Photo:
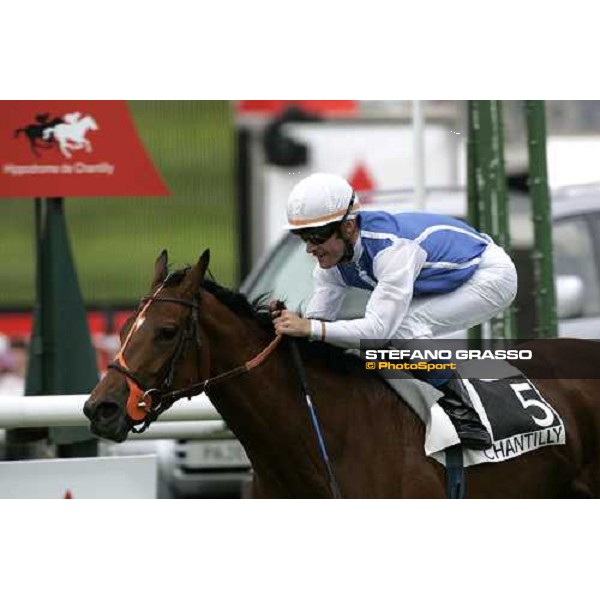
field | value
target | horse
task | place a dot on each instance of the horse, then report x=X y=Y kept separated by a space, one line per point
x=35 y=132
x=191 y=334
x=70 y=135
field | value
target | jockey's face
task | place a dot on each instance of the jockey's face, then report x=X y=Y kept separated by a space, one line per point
x=329 y=251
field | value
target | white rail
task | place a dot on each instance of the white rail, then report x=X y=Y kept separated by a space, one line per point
x=185 y=430
x=52 y=411
x=175 y=430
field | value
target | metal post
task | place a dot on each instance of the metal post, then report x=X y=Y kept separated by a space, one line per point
x=543 y=266
x=483 y=170
x=21 y=442
x=500 y=231
x=473 y=213
x=36 y=346
x=503 y=326
x=472 y=116
x=488 y=199
x=243 y=176
x=63 y=359
x=419 y=153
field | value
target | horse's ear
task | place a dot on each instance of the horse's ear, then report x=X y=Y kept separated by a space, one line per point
x=196 y=275
x=203 y=263
x=161 y=268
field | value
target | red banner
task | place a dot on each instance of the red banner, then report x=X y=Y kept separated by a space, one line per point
x=60 y=148
x=320 y=107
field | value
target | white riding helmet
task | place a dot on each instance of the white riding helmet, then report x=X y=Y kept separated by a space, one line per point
x=320 y=199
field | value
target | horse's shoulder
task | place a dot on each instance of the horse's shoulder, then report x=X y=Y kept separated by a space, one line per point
x=344 y=364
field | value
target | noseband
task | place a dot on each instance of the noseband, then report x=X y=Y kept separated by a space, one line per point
x=145 y=403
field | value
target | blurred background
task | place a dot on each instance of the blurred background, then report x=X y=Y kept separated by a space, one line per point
x=192 y=145
x=230 y=166
x=196 y=147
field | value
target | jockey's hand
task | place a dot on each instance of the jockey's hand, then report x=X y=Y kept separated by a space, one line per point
x=275 y=308
x=289 y=323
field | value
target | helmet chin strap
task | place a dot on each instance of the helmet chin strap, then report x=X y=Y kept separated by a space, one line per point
x=348 y=247
x=348 y=254
x=348 y=250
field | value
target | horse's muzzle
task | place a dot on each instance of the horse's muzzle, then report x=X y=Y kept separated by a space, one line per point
x=107 y=419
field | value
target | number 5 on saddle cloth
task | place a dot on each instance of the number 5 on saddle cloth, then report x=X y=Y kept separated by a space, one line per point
x=517 y=417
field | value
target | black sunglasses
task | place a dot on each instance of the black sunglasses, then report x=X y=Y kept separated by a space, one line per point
x=317 y=235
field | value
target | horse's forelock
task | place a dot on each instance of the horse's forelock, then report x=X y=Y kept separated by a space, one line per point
x=175 y=277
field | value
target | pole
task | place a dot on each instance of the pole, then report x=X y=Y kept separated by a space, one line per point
x=473 y=212
x=419 y=153
x=543 y=265
x=488 y=198
x=20 y=442
x=503 y=325
x=63 y=359
x=243 y=168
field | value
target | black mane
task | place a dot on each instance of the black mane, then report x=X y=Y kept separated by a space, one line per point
x=335 y=358
x=238 y=303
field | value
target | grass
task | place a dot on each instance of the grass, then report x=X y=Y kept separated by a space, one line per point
x=116 y=240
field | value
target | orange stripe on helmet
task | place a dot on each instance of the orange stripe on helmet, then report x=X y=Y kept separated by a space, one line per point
x=312 y=220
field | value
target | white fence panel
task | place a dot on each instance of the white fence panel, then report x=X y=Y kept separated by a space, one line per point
x=104 y=477
x=52 y=411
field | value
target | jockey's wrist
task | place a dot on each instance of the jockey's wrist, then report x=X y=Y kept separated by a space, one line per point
x=317 y=330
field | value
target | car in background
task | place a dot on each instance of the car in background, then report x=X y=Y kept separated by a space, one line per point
x=215 y=466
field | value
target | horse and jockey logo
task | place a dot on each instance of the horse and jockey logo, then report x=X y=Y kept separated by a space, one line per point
x=67 y=132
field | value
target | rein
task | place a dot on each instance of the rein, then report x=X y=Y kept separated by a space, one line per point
x=144 y=403
x=201 y=386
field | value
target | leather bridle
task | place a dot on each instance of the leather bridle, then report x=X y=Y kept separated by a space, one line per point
x=145 y=403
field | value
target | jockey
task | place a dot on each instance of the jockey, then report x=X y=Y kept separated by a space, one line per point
x=430 y=276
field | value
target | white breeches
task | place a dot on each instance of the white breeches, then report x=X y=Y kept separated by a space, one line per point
x=492 y=288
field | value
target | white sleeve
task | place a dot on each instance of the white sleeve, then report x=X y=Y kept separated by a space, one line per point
x=396 y=269
x=326 y=301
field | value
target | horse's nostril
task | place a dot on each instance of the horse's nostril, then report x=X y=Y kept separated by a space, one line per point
x=106 y=411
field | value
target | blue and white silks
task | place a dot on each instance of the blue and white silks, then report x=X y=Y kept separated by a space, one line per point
x=398 y=257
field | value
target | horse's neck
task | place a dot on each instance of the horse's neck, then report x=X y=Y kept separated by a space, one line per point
x=262 y=390
x=263 y=407
x=360 y=416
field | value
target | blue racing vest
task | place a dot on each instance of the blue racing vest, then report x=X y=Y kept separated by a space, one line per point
x=452 y=248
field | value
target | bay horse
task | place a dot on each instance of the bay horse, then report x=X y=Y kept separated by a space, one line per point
x=190 y=329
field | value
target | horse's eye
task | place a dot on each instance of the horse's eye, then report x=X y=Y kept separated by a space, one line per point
x=165 y=334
